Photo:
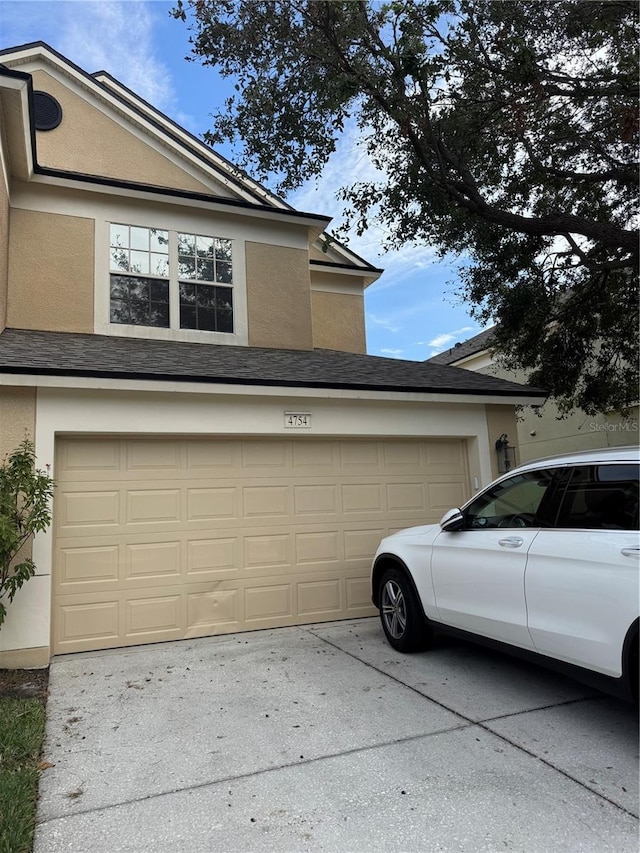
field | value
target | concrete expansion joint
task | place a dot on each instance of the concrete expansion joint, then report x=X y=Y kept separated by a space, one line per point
x=240 y=777
x=484 y=724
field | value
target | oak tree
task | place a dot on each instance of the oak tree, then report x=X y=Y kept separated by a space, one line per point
x=505 y=132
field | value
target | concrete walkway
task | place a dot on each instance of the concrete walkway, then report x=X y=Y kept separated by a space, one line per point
x=323 y=738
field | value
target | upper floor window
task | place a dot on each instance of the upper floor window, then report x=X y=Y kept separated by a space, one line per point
x=169 y=279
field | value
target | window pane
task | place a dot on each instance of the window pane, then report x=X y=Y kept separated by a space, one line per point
x=159 y=241
x=512 y=503
x=224 y=298
x=206 y=296
x=204 y=245
x=119 y=312
x=159 y=265
x=159 y=315
x=119 y=289
x=223 y=272
x=602 y=497
x=187 y=294
x=139 y=262
x=205 y=270
x=225 y=320
x=140 y=238
x=186 y=267
x=207 y=319
x=188 y=317
x=119 y=259
x=139 y=289
x=186 y=244
x=139 y=301
x=119 y=235
x=223 y=250
x=159 y=291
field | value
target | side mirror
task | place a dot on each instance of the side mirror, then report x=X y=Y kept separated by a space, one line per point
x=452 y=520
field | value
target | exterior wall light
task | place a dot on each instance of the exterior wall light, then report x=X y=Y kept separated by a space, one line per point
x=506 y=454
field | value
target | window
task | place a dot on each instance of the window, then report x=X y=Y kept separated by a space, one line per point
x=601 y=497
x=204 y=264
x=142 y=297
x=152 y=270
x=515 y=502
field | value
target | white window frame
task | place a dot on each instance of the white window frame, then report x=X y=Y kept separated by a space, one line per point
x=102 y=322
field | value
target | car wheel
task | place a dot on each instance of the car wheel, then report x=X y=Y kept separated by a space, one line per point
x=401 y=615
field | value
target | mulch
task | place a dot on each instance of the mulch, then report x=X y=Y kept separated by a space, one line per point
x=24 y=683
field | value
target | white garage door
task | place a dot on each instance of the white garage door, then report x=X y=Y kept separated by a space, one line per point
x=163 y=539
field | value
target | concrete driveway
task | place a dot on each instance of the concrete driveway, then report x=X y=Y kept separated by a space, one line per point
x=323 y=738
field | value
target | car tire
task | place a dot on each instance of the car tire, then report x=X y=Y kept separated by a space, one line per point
x=634 y=674
x=402 y=619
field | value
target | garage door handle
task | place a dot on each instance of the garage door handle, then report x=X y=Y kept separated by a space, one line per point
x=510 y=542
x=630 y=552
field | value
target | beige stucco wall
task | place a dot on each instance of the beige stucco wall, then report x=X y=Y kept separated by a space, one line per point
x=278 y=297
x=501 y=419
x=51 y=271
x=338 y=321
x=17 y=417
x=4 y=246
x=545 y=432
x=90 y=142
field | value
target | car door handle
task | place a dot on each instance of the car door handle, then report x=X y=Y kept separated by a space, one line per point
x=510 y=542
x=630 y=552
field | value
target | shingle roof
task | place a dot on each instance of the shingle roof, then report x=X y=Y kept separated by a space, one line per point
x=67 y=354
x=464 y=349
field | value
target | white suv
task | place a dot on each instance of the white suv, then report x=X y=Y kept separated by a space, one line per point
x=544 y=562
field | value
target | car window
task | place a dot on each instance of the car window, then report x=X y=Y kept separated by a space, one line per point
x=515 y=502
x=601 y=497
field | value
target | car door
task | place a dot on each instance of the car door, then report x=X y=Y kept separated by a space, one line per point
x=478 y=571
x=581 y=579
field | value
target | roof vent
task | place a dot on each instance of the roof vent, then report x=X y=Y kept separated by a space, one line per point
x=47 y=111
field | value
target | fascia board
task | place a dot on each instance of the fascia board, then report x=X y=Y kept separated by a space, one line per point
x=350 y=257
x=143 y=192
x=143 y=385
x=474 y=356
x=19 y=83
x=368 y=273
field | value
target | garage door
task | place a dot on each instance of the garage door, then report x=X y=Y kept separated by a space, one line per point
x=160 y=539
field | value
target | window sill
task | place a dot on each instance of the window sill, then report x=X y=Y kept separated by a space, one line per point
x=192 y=336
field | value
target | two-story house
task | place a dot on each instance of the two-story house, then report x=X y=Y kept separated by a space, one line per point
x=188 y=354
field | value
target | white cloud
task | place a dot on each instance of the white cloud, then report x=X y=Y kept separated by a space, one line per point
x=383 y=322
x=394 y=353
x=118 y=37
x=347 y=165
x=441 y=341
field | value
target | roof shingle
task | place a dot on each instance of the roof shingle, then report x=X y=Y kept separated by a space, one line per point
x=70 y=354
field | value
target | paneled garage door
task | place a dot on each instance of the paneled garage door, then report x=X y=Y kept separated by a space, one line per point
x=163 y=539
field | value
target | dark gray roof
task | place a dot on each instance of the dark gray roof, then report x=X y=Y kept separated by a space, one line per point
x=464 y=349
x=67 y=354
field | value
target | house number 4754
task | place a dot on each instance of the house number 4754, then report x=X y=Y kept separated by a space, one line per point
x=297 y=420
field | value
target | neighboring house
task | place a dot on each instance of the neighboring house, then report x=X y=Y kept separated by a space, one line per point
x=544 y=431
x=188 y=353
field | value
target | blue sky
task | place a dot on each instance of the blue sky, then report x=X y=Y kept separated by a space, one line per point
x=411 y=312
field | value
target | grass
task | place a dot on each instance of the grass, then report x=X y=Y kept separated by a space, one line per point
x=21 y=736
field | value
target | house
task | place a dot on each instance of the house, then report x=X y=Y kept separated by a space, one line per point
x=544 y=431
x=188 y=353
